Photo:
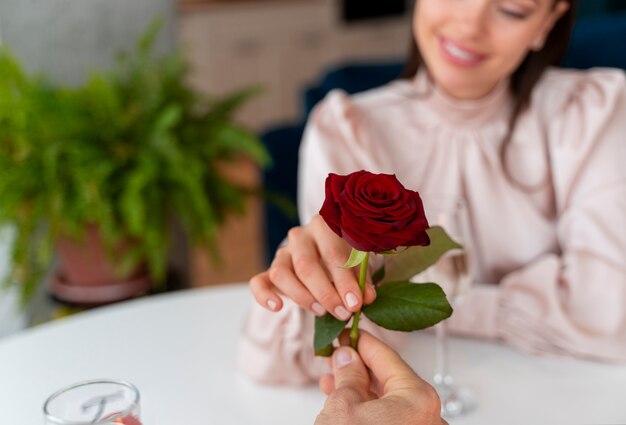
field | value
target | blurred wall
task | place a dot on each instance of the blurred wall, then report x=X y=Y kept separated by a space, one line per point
x=66 y=39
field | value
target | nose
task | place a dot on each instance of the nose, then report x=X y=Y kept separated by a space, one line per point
x=471 y=18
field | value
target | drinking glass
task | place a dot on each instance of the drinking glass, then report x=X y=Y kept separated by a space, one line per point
x=94 y=402
x=453 y=273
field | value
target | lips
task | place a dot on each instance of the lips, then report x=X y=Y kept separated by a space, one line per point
x=460 y=55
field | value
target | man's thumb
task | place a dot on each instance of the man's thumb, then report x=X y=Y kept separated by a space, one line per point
x=350 y=372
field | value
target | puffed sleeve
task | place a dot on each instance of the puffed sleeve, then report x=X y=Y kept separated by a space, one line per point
x=573 y=303
x=277 y=348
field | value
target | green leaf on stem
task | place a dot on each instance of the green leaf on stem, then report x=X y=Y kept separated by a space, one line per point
x=356 y=258
x=327 y=328
x=326 y=351
x=407 y=306
x=416 y=259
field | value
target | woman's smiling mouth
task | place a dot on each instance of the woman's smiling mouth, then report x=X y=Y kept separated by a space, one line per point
x=459 y=55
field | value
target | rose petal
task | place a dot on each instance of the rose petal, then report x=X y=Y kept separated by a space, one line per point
x=374 y=212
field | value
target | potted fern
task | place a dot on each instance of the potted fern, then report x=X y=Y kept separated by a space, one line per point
x=100 y=171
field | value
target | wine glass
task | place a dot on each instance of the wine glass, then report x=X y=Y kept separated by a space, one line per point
x=102 y=401
x=453 y=273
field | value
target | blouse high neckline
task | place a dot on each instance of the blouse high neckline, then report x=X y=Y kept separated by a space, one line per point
x=492 y=108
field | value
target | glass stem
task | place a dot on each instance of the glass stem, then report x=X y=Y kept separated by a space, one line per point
x=442 y=367
x=354 y=331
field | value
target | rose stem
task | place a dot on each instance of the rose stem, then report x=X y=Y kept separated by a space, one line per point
x=354 y=331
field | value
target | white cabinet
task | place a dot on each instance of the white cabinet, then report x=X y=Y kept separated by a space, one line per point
x=376 y=40
x=282 y=45
x=275 y=45
x=302 y=60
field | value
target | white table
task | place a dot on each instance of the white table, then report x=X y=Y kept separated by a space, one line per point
x=179 y=349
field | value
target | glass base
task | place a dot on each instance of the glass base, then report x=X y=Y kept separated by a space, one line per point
x=455 y=401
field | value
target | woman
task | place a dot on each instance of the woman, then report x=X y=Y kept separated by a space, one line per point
x=536 y=152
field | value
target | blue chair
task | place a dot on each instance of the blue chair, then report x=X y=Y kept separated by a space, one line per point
x=282 y=144
x=352 y=78
x=596 y=41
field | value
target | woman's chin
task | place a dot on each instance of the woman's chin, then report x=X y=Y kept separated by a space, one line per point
x=463 y=88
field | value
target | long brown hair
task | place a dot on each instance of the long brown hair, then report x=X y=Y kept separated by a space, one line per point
x=525 y=77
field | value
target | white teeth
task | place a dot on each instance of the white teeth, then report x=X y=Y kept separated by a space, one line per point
x=459 y=53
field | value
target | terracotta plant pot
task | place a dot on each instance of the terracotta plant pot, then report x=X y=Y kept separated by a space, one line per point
x=87 y=276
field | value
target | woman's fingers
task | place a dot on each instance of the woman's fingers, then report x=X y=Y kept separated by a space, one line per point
x=266 y=292
x=344 y=280
x=309 y=270
x=283 y=277
x=262 y=290
x=335 y=252
x=370 y=293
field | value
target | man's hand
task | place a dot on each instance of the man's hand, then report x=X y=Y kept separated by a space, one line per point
x=391 y=393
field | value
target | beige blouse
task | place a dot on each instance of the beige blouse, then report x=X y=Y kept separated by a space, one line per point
x=549 y=259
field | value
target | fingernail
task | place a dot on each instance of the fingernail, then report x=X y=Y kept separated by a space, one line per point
x=342 y=313
x=272 y=304
x=343 y=357
x=351 y=300
x=318 y=309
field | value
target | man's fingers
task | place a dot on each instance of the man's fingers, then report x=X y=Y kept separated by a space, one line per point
x=327 y=384
x=398 y=380
x=349 y=389
x=350 y=373
x=387 y=366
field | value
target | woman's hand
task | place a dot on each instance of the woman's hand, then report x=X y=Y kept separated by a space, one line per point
x=308 y=269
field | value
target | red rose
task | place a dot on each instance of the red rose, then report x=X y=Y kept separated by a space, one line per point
x=374 y=212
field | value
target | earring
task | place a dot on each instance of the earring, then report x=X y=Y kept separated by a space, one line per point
x=538 y=44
